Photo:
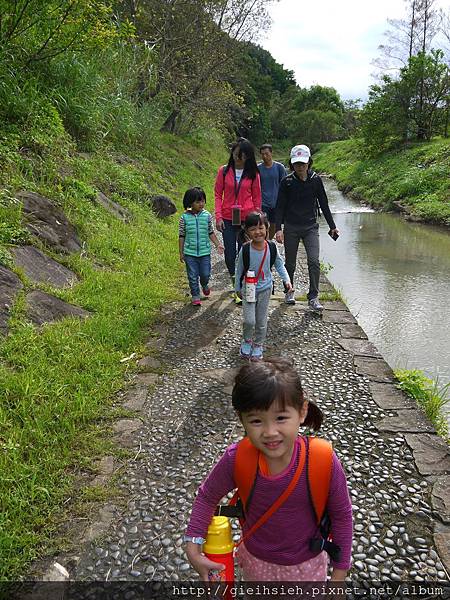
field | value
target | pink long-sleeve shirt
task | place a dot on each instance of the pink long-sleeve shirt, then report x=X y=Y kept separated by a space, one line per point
x=284 y=538
x=248 y=198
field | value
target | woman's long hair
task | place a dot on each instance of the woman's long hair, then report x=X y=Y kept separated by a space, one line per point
x=250 y=166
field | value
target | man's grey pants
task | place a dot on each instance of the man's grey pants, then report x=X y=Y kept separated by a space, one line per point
x=310 y=238
x=255 y=316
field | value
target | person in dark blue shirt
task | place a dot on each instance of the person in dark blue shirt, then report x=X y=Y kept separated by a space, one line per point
x=271 y=173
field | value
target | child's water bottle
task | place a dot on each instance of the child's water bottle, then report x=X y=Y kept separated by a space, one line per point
x=219 y=548
x=250 y=286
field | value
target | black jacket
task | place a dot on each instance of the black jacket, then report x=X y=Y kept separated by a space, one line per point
x=297 y=201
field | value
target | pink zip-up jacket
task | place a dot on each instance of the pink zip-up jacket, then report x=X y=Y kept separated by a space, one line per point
x=249 y=196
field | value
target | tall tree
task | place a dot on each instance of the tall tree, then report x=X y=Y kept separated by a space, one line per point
x=194 y=41
x=408 y=36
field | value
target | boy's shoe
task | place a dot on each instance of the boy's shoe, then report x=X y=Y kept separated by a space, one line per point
x=257 y=353
x=206 y=291
x=196 y=302
x=314 y=304
x=246 y=349
x=237 y=300
x=289 y=297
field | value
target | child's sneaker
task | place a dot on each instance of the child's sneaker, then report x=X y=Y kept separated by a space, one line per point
x=246 y=349
x=257 y=353
x=196 y=302
x=206 y=291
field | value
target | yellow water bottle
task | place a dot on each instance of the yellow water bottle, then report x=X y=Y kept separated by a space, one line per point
x=219 y=548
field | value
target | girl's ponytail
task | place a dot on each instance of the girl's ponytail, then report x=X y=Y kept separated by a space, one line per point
x=314 y=417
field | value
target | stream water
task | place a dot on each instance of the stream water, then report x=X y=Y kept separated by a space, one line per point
x=395 y=277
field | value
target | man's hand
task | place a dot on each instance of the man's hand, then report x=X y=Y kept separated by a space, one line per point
x=182 y=258
x=220 y=249
x=219 y=224
x=288 y=286
x=334 y=233
x=200 y=562
x=279 y=236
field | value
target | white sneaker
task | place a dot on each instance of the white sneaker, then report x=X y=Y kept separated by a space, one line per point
x=314 y=304
x=289 y=297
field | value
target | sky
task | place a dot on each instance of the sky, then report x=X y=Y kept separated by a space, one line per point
x=332 y=43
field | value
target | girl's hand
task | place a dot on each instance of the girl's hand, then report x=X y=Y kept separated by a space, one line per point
x=182 y=258
x=288 y=286
x=220 y=249
x=200 y=562
x=219 y=224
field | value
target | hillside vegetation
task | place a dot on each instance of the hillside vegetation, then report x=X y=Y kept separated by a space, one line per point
x=58 y=382
x=415 y=178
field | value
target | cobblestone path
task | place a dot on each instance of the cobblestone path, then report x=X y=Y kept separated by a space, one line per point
x=398 y=470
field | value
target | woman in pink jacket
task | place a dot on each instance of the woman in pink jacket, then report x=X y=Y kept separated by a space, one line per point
x=237 y=192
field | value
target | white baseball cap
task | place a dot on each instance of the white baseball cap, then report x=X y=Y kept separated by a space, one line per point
x=300 y=154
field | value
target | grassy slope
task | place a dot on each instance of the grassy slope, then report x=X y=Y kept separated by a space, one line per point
x=59 y=382
x=418 y=177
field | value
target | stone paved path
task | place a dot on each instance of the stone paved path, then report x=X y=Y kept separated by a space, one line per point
x=398 y=470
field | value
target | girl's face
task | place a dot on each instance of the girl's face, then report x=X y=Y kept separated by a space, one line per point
x=274 y=432
x=239 y=161
x=198 y=205
x=257 y=233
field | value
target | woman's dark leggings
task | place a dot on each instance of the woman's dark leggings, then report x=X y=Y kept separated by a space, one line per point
x=232 y=242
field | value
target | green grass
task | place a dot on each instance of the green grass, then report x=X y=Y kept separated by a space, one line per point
x=428 y=394
x=58 y=382
x=417 y=176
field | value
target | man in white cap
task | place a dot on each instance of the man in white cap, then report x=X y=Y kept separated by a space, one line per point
x=299 y=197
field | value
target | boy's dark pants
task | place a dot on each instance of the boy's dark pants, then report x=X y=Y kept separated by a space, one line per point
x=197 y=267
x=309 y=235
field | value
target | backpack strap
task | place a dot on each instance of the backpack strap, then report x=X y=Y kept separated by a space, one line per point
x=320 y=455
x=320 y=462
x=245 y=260
x=273 y=252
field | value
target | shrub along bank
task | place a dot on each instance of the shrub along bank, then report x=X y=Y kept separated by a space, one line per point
x=415 y=179
x=58 y=382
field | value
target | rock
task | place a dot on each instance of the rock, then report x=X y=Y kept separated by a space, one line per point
x=113 y=207
x=148 y=363
x=10 y=286
x=334 y=305
x=440 y=498
x=388 y=397
x=100 y=524
x=135 y=397
x=338 y=316
x=430 y=452
x=45 y=308
x=412 y=421
x=56 y=573
x=359 y=347
x=40 y=268
x=48 y=222
x=105 y=468
x=375 y=369
x=352 y=331
x=126 y=426
x=162 y=206
x=442 y=542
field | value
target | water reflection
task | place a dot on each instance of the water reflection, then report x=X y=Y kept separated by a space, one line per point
x=395 y=278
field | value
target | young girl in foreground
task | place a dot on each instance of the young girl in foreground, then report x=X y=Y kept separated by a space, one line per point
x=270 y=403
